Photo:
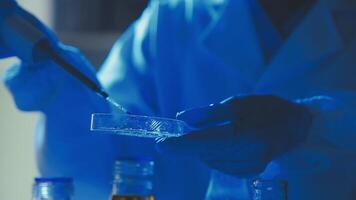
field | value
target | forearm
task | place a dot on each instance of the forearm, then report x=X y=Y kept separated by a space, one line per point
x=330 y=139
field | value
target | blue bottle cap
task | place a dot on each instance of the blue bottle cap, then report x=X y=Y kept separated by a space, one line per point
x=53 y=179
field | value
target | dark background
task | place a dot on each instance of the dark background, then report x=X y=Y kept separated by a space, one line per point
x=94 y=25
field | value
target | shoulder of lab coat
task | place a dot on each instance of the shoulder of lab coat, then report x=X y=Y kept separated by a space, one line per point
x=128 y=73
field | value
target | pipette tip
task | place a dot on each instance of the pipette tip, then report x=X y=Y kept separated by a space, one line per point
x=116 y=105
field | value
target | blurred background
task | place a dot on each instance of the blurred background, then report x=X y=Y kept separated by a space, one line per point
x=91 y=25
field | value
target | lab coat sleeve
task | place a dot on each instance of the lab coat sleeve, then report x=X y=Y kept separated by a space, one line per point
x=327 y=159
x=128 y=72
x=335 y=120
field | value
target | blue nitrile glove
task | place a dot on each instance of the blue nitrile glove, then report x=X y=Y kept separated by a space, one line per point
x=37 y=87
x=64 y=144
x=241 y=135
x=6 y=7
x=21 y=32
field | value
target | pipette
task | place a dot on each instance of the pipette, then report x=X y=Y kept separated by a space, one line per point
x=71 y=69
x=30 y=40
x=24 y=36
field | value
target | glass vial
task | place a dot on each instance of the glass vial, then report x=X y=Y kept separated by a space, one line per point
x=227 y=187
x=270 y=189
x=133 y=180
x=52 y=189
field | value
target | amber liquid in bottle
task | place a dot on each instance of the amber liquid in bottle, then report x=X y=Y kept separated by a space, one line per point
x=133 y=180
x=121 y=197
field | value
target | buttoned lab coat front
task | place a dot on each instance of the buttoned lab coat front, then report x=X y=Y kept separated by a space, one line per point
x=187 y=54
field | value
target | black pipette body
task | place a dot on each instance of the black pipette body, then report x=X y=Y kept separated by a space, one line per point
x=29 y=39
x=45 y=49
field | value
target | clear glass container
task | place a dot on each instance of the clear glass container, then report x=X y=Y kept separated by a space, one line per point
x=270 y=189
x=52 y=189
x=227 y=187
x=137 y=125
x=133 y=180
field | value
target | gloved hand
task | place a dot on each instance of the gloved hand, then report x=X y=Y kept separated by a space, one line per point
x=21 y=32
x=241 y=135
x=64 y=145
x=45 y=86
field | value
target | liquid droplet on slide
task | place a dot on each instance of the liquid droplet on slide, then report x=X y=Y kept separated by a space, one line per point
x=116 y=105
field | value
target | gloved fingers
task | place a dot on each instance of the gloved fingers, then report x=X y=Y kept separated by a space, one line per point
x=78 y=60
x=200 y=142
x=70 y=88
x=34 y=85
x=214 y=114
x=211 y=115
x=238 y=168
x=50 y=35
x=243 y=148
x=220 y=142
x=30 y=85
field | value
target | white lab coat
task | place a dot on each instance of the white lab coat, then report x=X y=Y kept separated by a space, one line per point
x=186 y=54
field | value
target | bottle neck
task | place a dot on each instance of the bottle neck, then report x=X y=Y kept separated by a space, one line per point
x=270 y=190
x=133 y=178
x=52 y=189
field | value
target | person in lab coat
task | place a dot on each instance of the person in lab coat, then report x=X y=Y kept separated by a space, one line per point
x=291 y=114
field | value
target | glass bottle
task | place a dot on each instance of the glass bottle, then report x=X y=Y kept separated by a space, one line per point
x=227 y=187
x=133 y=180
x=52 y=189
x=270 y=190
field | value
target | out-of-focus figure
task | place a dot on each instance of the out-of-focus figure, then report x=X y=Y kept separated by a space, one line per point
x=289 y=66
